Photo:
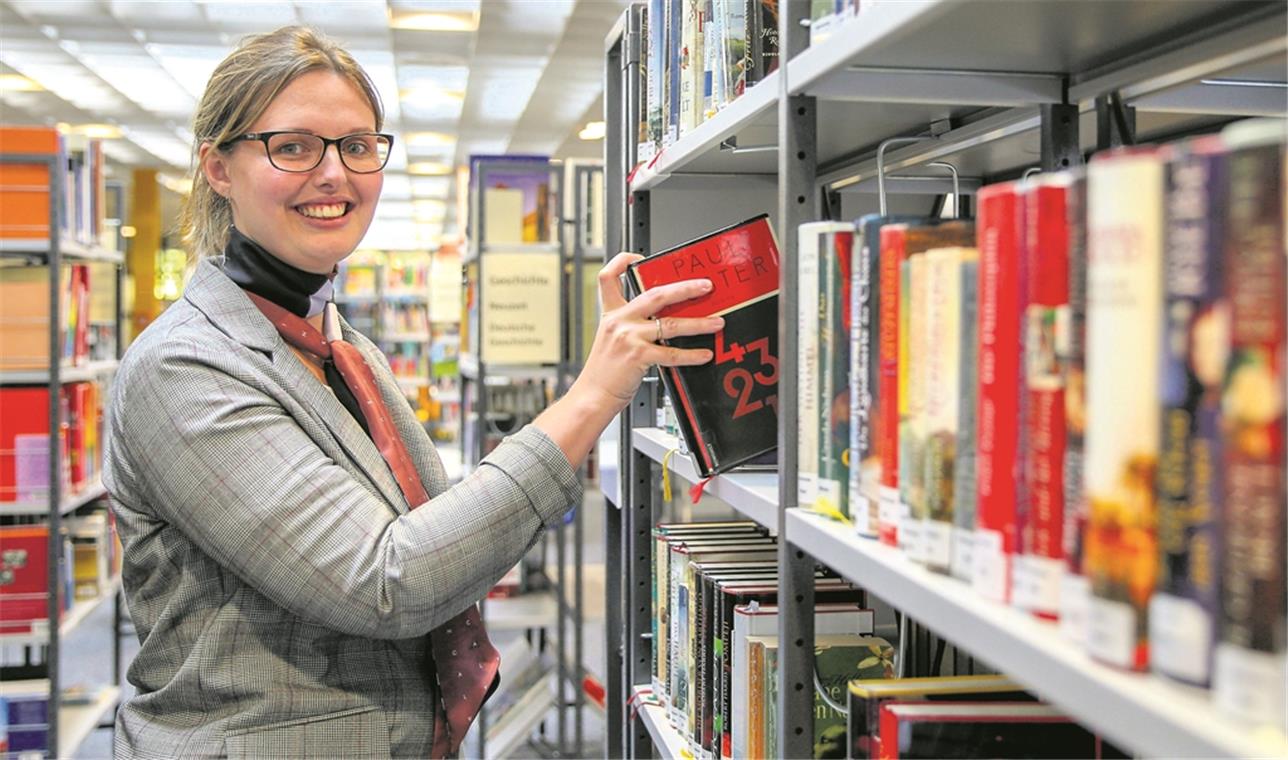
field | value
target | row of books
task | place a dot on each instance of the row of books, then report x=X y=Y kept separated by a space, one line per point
x=25 y=189
x=91 y=558
x=715 y=666
x=698 y=57
x=25 y=317
x=1075 y=402
x=25 y=446
x=24 y=718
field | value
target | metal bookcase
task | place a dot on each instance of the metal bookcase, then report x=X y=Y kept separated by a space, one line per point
x=68 y=725
x=897 y=88
x=571 y=209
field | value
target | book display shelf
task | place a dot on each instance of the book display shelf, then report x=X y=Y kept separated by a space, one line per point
x=62 y=315
x=522 y=341
x=895 y=88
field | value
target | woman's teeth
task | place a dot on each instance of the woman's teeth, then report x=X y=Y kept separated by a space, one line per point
x=326 y=211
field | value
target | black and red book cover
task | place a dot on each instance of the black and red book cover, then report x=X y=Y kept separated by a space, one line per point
x=728 y=407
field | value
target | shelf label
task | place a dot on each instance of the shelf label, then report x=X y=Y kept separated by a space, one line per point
x=1075 y=598
x=1180 y=637
x=963 y=563
x=937 y=544
x=1249 y=685
x=990 y=577
x=520 y=310
x=1111 y=632
x=888 y=514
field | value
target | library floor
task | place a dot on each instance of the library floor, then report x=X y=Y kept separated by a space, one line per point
x=87 y=657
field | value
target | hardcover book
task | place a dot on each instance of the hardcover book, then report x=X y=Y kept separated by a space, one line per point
x=866 y=397
x=762 y=39
x=893 y=238
x=1124 y=334
x=1249 y=678
x=1071 y=336
x=808 y=327
x=996 y=439
x=834 y=367
x=1039 y=567
x=930 y=731
x=727 y=408
x=965 y=493
x=671 y=105
x=1183 y=611
x=942 y=401
x=867 y=696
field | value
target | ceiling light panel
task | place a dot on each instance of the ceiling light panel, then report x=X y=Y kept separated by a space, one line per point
x=150 y=13
x=189 y=65
x=77 y=11
x=432 y=93
x=396 y=187
x=503 y=93
x=57 y=72
x=163 y=144
x=379 y=65
x=248 y=17
x=137 y=76
x=431 y=187
x=346 y=19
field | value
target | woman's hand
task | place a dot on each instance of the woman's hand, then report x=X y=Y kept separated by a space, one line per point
x=625 y=347
x=626 y=343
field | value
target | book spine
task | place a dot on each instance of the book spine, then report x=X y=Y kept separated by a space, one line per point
x=724 y=655
x=998 y=407
x=710 y=59
x=891 y=254
x=864 y=401
x=834 y=411
x=1047 y=250
x=656 y=73
x=912 y=402
x=1124 y=309
x=1075 y=589
x=674 y=43
x=678 y=641
x=691 y=66
x=943 y=371
x=964 y=488
x=1249 y=677
x=808 y=375
x=1183 y=611
x=659 y=619
x=756 y=700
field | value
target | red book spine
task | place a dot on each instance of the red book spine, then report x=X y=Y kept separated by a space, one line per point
x=892 y=255
x=1038 y=574
x=999 y=380
x=889 y=746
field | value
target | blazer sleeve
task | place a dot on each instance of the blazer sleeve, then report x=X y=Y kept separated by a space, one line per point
x=219 y=457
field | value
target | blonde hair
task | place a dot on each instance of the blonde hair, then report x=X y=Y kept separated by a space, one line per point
x=240 y=90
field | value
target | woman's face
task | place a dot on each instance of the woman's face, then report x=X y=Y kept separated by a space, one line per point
x=293 y=215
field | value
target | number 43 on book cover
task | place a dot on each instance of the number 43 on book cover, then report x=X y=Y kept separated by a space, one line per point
x=728 y=407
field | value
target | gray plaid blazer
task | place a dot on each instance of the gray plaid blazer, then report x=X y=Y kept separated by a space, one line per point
x=279 y=583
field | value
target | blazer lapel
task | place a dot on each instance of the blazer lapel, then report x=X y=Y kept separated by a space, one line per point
x=228 y=308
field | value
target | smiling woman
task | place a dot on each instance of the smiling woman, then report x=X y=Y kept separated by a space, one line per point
x=303 y=581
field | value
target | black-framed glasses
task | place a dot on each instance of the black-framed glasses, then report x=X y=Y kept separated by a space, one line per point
x=360 y=152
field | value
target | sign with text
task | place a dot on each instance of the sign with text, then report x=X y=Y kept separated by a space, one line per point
x=521 y=309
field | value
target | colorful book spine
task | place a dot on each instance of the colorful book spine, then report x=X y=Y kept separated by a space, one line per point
x=912 y=404
x=1249 y=667
x=834 y=367
x=864 y=305
x=893 y=238
x=807 y=363
x=964 y=489
x=1124 y=330
x=1039 y=568
x=997 y=435
x=691 y=66
x=1075 y=589
x=1184 y=610
x=674 y=45
x=655 y=81
x=943 y=407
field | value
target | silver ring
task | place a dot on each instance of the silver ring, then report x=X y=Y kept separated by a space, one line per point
x=659 y=330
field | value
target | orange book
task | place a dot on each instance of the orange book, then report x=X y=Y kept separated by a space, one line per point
x=24 y=188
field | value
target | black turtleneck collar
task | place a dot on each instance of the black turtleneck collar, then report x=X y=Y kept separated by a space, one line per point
x=255 y=269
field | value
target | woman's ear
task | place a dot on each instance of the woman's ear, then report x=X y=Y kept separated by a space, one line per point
x=214 y=164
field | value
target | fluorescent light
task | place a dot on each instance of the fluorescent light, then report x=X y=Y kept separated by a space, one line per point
x=95 y=131
x=594 y=130
x=18 y=83
x=1245 y=83
x=435 y=22
x=431 y=168
x=431 y=187
x=180 y=185
x=128 y=231
x=433 y=141
x=190 y=65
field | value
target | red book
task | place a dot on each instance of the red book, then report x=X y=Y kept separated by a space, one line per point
x=728 y=407
x=925 y=730
x=999 y=240
x=24 y=573
x=893 y=238
x=1040 y=564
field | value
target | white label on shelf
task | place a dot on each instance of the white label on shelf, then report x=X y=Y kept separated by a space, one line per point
x=1180 y=637
x=1249 y=685
x=963 y=552
x=1022 y=591
x=1111 y=632
x=40 y=628
x=1075 y=596
x=1045 y=577
x=888 y=506
x=910 y=533
x=990 y=576
x=937 y=544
